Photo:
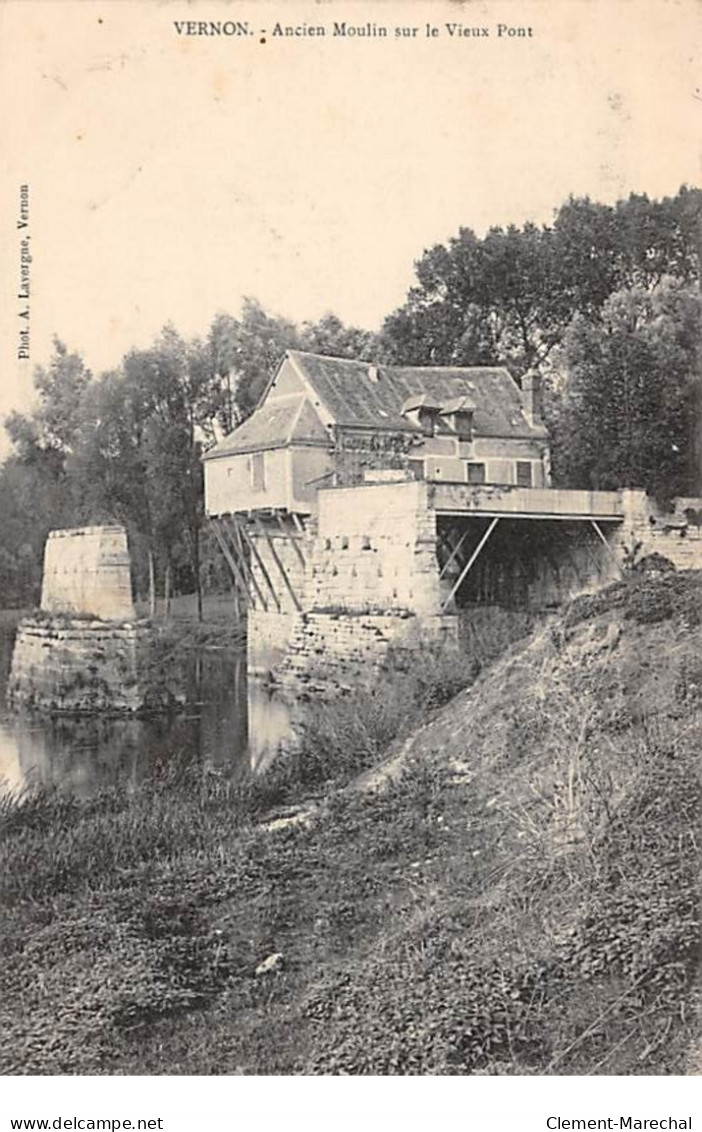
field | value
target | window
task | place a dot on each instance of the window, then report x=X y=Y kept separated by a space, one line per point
x=476 y=473
x=427 y=420
x=258 y=471
x=462 y=423
x=524 y=473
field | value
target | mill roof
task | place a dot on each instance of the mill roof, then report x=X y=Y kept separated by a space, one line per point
x=285 y=420
x=358 y=395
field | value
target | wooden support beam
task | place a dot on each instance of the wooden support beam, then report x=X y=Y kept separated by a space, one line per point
x=241 y=596
x=239 y=578
x=469 y=564
x=289 y=535
x=227 y=524
x=261 y=565
x=455 y=552
x=232 y=529
x=444 y=543
x=276 y=558
x=599 y=533
x=239 y=584
x=447 y=540
x=236 y=531
x=298 y=523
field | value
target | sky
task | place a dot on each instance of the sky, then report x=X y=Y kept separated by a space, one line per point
x=170 y=175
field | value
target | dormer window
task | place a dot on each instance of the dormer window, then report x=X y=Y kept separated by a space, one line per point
x=462 y=424
x=458 y=415
x=427 y=421
x=422 y=410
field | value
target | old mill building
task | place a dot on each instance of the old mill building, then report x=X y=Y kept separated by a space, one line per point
x=362 y=506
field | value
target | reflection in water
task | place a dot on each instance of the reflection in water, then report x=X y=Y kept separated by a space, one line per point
x=270 y=725
x=217 y=730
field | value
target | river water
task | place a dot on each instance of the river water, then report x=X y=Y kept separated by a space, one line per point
x=226 y=726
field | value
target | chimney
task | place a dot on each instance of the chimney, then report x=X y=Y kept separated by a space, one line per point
x=531 y=397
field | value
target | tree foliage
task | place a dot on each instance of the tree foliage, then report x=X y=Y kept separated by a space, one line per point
x=631 y=409
x=509 y=297
x=603 y=301
x=243 y=353
x=47 y=436
x=36 y=491
x=331 y=337
x=32 y=502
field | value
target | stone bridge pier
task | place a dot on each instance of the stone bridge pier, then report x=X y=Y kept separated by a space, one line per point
x=83 y=651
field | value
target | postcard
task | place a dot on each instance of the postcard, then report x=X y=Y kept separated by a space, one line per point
x=350 y=539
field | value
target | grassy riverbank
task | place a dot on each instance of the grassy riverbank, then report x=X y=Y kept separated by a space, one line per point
x=514 y=890
x=219 y=626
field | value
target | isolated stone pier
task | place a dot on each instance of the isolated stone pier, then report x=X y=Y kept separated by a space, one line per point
x=83 y=651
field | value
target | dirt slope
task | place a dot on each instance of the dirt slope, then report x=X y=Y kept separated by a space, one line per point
x=516 y=891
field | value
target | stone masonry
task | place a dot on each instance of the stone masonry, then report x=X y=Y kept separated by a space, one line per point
x=87 y=571
x=647 y=529
x=370 y=570
x=370 y=580
x=83 y=651
x=75 y=665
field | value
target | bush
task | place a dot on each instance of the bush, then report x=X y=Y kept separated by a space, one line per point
x=342 y=738
x=645 y=598
x=666 y=597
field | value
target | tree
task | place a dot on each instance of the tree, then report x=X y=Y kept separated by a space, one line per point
x=37 y=492
x=31 y=504
x=495 y=301
x=632 y=400
x=247 y=351
x=138 y=452
x=109 y=462
x=219 y=355
x=178 y=387
x=48 y=435
x=509 y=298
x=330 y=336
